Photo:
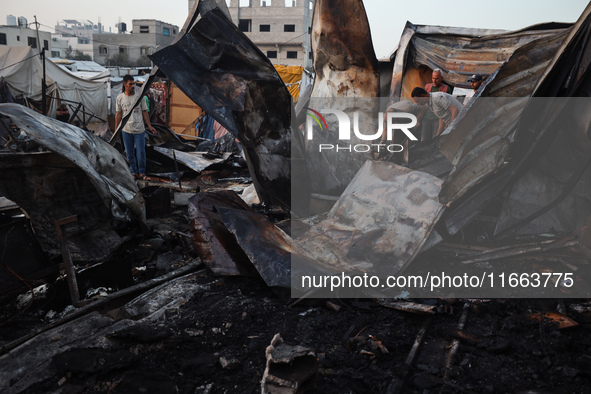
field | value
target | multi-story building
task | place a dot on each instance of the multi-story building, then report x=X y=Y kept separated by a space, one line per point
x=280 y=28
x=20 y=35
x=77 y=34
x=146 y=37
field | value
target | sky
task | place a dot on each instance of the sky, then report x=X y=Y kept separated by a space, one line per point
x=386 y=17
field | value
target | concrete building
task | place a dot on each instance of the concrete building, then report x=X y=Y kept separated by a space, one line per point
x=280 y=28
x=22 y=36
x=59 y=47
x=147 y=36
x=77 y=34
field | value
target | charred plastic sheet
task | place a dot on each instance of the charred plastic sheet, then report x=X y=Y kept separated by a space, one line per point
x=79 y=175
x=222 y=71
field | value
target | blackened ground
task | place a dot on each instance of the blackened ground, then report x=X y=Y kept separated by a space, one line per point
x=237 y=318
x=505 y=350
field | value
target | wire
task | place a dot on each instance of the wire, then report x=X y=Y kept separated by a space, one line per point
x=32 y=56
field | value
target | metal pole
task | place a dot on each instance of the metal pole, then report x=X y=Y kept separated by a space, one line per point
x=70 y=269
x=43 y=84
x=37 y=28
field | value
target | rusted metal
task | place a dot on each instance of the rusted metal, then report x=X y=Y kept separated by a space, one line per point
x=70 y=269
x=458 y=52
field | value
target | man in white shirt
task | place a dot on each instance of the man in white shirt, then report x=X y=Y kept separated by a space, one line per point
x=133 y=131
x=445 y=106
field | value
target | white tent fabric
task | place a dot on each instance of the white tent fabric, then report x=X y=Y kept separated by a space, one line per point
x=22 y=70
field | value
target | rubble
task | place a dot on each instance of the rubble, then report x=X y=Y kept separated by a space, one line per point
x=503 y=189
x=290 y=369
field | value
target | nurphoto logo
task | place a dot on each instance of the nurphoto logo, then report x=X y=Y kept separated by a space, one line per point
x=315 y=119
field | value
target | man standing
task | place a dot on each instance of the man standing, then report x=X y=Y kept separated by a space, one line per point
x=445 y=106
x=475 y=82
x=431 y=122
x=438 y=85
x=133 y=131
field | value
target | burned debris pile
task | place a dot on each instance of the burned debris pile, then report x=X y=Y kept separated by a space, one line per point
x=205 y=272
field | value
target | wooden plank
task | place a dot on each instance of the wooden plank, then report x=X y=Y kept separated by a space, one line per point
x=183 y=111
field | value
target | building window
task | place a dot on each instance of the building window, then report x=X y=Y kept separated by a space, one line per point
x=265 y=28
x=272 y=54
x=144 y=29
x=265 y=3
x=310 y=55
x=55 y=54
x=309 y=29
x=165 y=31
x=122 y=49
x=2 y=38
x=144 y=50
x=83 y=40
x=18 y=38
x=103 y=50
x=245 y=3
x=46 y=45
x=292 y=54
x=244 y=25
x=289 y=28
x=290 y=3
x=173 y=31
x=32 y=42
x=311 y=5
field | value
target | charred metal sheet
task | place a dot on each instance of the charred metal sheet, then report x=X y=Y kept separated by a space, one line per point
x=215 y=245
x=380 y=222
x=193 y=160
x=79 y=175
x=346 y=66
x=166 y=138
x=268 y=248
x=549 y=166
x=554 y=135
x=271 y=250
x=458 y=52
x=478 y=143
x=223 y=72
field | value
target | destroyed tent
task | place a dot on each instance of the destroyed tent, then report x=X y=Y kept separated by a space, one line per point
x=22 y=71
x=292 y=77
x=457 y=52
x=547 y=178
x=523 y=154
x=73 y=174
x=491 y=147
x=224 y=73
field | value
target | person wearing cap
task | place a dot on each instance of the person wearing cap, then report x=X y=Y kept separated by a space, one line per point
x=475 y=82
x=445 y=106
